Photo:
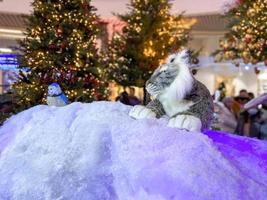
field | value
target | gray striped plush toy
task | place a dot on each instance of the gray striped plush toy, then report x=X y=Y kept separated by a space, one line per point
x=177 y=94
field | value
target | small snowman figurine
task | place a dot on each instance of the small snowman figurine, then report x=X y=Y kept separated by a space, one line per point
x=55 y=96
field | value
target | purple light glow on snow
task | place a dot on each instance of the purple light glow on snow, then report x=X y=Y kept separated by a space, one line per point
x=232 y=145
x=239 y=143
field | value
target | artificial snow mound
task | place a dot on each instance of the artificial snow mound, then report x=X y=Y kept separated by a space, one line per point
x=97 y=152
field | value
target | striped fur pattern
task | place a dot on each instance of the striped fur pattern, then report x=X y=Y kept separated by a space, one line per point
x=161 y=79
x=176 y=93
x=175 y=72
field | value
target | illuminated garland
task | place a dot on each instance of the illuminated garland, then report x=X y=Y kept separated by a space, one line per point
x=60 y=46
x=247 y=39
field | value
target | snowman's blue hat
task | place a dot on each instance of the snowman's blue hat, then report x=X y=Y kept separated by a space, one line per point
x=54 y=85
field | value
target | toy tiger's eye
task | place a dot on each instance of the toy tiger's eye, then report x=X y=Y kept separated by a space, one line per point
x=172 y=60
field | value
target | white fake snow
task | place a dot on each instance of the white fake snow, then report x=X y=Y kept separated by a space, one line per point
x=97 y=152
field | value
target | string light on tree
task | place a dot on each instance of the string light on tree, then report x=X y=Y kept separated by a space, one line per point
x=247 y=38
x=150 y=35
x=60 y=47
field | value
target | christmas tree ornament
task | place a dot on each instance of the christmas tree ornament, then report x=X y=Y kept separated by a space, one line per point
x=55 y=96
x=59 y=32
x=85 y=6
x=51 y=46
x=62 y=45
x=241 y=46
x=248 y=38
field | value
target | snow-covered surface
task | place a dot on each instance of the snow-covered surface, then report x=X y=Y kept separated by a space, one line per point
x=97 y=152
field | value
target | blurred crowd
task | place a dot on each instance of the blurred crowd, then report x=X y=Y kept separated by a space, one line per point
x=128 y=98
x=6 y=106
x=234 y=116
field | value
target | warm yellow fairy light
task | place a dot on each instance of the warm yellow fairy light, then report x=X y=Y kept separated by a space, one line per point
x=149 y=52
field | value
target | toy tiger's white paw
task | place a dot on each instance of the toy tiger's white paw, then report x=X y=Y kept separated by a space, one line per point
x=141 y=112
x=187 y=122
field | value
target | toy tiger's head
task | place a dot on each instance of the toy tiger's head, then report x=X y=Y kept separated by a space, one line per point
x=173 y=78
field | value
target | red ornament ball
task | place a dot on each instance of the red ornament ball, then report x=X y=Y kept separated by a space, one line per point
x=51 y=46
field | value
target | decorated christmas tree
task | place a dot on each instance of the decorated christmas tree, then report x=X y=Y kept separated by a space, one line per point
x=247 y=39
x=150 y=35
x=60 y=46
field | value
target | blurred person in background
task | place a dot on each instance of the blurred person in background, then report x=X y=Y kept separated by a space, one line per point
x=258 y=126
x=243 y=97
x=6 y=106
x=251 y=95
x=226 y=120
x=123 y=98
x=132 y=98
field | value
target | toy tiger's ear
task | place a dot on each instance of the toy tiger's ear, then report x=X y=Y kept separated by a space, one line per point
x=184 y=52
x=184 y=55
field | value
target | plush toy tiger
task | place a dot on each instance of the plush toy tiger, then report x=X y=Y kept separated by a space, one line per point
x=177 y=94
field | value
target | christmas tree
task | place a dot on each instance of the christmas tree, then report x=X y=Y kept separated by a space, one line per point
x=60 y=46
x=247 y=39
x=150 y=35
